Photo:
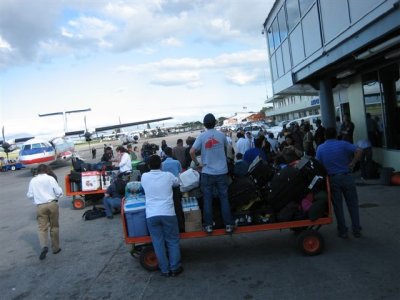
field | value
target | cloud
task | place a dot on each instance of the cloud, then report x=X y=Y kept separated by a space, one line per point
x=24 y=24
x=240 y=68
x=240 y=77
x=4 y=45
x=87 y=27
x=190 y=79
x=171 y=42
x=87 y=30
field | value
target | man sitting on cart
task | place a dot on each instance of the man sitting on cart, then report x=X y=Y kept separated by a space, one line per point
x=113 y=197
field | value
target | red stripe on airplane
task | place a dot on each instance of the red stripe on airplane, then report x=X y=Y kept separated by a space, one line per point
x=38 y=160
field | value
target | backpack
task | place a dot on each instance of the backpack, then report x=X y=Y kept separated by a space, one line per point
x=95 y=213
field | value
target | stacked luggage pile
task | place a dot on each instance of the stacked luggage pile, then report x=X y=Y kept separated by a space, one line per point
x=265 y=195
x=268 y=195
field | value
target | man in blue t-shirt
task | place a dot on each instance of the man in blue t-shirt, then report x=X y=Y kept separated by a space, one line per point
x=339 y=158
x=212 y=144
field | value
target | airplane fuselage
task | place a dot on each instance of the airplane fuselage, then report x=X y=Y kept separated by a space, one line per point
x=39 y=151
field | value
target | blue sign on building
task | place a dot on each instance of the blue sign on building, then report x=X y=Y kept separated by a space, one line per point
x=315 y=102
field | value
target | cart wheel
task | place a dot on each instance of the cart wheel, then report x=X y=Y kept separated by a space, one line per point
x=13 y=168
x=78 y=203
x=148 y=259
x=311 y=242
x=136 y=250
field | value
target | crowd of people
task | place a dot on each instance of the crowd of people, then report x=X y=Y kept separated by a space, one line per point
x=216 y=157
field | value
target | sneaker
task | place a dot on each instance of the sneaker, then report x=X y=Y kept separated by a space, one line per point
x=208 y=228
x=43 y=254
x=343 y=235
x=357 y=234
x=229 y=228
x=58 y=251
x=177 y=272
x=165 y=274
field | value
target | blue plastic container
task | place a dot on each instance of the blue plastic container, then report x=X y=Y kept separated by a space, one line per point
x=136 y=222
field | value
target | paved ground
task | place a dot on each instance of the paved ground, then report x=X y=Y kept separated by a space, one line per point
x=95 y=262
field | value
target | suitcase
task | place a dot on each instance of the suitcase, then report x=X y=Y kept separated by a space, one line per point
x=77 y=163
x=241 y=191
x=314 y=173
x=142 y=167
x=260 y=171
x=75 y=176
x=287 y=185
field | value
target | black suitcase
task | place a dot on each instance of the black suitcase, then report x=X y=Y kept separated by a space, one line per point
x=287 y=185
x=75 y=176
x=314 y=173
x=77 y=163
x=241 y=191
x=86 y=167
x=261 y=172
x=142 y=167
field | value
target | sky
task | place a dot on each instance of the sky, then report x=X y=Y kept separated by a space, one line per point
x=129 y=61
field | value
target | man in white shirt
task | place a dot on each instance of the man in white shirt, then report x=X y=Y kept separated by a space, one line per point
x=273 y=142
x=125 y=163
x=241 y=144
x=161 y=219
x=45 y=191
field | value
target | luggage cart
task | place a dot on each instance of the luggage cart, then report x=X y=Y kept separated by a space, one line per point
x=79 y=198
x=309 y=240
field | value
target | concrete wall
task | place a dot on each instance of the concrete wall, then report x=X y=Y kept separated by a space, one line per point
x=387 y=158
x=357 y=110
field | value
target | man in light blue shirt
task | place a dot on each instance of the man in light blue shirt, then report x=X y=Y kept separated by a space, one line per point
x=212 y=144
x=170 y=164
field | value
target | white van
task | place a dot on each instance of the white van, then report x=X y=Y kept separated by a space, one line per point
x=310 y=119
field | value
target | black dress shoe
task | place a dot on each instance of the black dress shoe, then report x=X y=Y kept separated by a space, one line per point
x=43 y=254
x=177 y=272
x=58 y=251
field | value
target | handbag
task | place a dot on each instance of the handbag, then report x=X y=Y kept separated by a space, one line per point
x=95 y=213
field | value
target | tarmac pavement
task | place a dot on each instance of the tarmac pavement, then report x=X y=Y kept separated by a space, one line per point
x=95 y=262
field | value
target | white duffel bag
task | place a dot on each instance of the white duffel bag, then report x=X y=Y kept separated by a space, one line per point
x=189 y=179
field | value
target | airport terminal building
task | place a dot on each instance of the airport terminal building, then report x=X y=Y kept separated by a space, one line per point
x=346 y=54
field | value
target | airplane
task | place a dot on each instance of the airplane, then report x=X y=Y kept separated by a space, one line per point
x=42 y=150
x=128 y=137
x=11 y=145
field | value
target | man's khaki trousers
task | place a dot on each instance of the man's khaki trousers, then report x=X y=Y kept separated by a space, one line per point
x=47 y=217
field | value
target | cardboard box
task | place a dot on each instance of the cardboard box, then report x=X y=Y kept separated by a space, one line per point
x=193 y=220
x=91 y=181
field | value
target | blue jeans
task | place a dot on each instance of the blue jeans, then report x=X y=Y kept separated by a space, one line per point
x=207 y=184
x=164 y=232
x=345 y=185
x=110 y=203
